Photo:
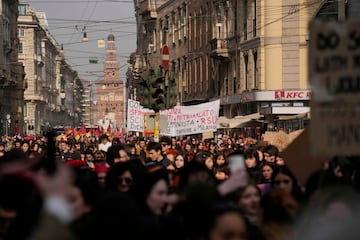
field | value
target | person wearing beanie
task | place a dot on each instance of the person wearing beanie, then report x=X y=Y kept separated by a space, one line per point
x=101 y=170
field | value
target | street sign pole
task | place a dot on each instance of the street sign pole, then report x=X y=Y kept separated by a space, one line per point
x=156 y=127
x=165 y=57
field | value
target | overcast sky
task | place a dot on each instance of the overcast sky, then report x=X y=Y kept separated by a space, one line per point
x=99 y=18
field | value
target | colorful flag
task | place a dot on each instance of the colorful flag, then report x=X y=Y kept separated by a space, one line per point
x=108 y=130
x=83 y=130
x=98 y=132
x=118 y=133
x=90 y=132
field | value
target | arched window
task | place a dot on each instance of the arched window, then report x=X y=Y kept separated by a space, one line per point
x=329 y=11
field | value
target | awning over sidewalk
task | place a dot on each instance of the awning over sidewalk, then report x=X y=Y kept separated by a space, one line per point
x=238 y=121
x=293 y=117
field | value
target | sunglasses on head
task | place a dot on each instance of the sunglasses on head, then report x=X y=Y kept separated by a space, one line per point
x=126 y=180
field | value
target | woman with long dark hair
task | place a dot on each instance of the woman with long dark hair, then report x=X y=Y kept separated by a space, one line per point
x=284 y=180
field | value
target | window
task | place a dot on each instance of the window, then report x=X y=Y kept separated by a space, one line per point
x=245 y=19
x=219 y=89
x=254 y=17
x=20 y=48
x=255 y=55
x=234 y=85
x=246 y=65
x=226 y=86
x=21 y=32
x=22 y=9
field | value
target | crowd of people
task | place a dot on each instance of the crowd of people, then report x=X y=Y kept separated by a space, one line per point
x=189 y=188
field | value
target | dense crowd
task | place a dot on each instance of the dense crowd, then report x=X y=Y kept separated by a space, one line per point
x=189 y=188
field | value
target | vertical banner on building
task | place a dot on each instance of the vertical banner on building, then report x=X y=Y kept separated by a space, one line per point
x=334 y=68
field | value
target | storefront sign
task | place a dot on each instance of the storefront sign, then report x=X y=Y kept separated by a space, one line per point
x=281 y=95
x=292 y=95
x=247 y=97
x=238 y=98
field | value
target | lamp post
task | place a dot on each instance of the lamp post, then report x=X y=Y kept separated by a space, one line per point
x=90 y=104
x=90 y=110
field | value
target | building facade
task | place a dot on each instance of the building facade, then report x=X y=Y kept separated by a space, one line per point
x=250 y=54
x=53 y=94
x=110 y=91
x=12 y=84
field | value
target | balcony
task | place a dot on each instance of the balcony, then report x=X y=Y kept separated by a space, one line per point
x=145 y=8
x=222 y=47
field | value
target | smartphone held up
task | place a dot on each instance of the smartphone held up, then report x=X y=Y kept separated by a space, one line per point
x=236 y=162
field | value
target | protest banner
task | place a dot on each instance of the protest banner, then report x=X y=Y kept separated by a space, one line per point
x=135 y=116
x=187 y=120
x=181 y=120
x=334 y=75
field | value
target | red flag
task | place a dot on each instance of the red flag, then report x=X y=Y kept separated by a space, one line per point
x=98 y=132
x=118 y=133
x=83 y=130
x=108 y=130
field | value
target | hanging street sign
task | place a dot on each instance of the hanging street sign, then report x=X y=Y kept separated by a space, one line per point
x=165 y=57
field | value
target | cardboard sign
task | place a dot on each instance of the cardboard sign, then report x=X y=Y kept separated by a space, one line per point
x=293 y=135
x=207 y=135
x=297 y=157
x=334 y=75
x=279 y=139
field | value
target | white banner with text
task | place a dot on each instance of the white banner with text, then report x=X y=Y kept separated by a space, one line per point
x=182 y=120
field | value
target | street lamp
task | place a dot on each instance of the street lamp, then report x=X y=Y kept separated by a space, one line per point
x=85 y=38
x=83 y=31
x=90 y=86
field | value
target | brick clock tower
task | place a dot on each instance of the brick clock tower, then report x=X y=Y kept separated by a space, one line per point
x=110 y=92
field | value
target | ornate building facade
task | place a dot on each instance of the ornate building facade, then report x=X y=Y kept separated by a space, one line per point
x=110 y=91
x=53 y=94
x=12 y=84
x=250 y=54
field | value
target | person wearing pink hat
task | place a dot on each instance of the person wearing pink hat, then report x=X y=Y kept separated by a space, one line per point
x=101 y=170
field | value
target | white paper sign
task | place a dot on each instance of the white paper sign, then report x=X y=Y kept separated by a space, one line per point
x=135 y=116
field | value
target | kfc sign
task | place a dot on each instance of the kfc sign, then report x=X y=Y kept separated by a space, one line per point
x=292 y=95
